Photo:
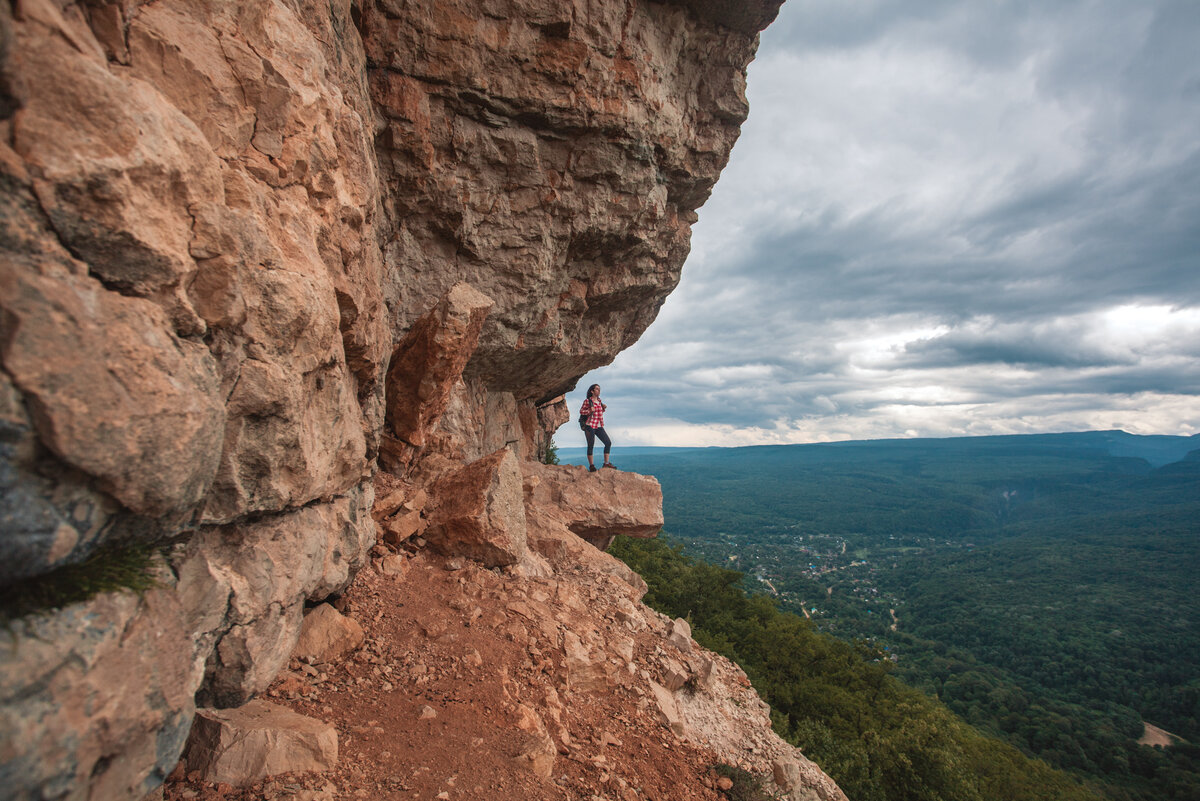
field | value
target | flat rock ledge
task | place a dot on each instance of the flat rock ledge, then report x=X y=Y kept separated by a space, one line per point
x=597 y=507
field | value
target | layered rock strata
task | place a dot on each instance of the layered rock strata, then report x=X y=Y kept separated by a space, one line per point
x=254 y=251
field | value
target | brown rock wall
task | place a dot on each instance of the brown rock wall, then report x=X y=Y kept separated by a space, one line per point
x=251 y=582
x=552 y=155
x=197 y=226
x=96 y=702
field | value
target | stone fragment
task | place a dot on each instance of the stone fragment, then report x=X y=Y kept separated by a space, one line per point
x=428 y=713
x=477 y=512
x=675 y=675
x=387 y=505
x=393 y=565
x=786 y=773
x=681 y=635
x=724 y=784
x=242 y=745
x=668 y=710
x=430 y=360
x=701 y=668
x=400 y=527
x=539 y=753
x=586 y=672
x=539 y=756
x=326 y=635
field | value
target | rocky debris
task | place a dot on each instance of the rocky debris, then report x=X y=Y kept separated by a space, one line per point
x=258 y=740
x=398 y=510
x=326 y=634
x=477 y=693
x=478 y=511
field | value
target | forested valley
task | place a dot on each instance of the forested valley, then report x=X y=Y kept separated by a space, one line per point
x=937 y=618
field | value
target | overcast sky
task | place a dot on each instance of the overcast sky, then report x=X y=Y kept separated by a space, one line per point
x=942 y=218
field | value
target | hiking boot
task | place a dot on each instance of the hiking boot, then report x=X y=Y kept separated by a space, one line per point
x=591 y=468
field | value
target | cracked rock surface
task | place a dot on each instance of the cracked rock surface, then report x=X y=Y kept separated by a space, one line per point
x=262 y=262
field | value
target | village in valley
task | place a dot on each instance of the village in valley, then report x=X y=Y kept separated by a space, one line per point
x=839 y=582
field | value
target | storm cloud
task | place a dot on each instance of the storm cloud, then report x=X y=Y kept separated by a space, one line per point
x=942 y=218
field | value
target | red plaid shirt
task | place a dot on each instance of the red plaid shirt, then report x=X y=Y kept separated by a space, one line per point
x=595 y=413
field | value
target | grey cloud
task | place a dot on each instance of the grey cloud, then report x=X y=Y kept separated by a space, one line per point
x=1049 y=172
x=959 y=349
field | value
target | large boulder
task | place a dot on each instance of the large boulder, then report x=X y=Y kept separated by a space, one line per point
x=595 y=506
x=430 y=360
x=261 y=739
x=326 y=635
x=478 y=511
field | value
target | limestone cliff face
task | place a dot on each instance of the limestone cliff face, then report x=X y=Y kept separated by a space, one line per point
x=254 y=254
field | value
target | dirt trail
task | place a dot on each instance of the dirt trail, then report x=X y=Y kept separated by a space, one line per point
x=431 y=706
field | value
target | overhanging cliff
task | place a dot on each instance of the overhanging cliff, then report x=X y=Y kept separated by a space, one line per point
x=255 y=251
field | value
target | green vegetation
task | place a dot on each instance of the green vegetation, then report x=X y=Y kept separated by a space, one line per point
x=880 y=740
x=107 y=570
x=1043 y=588
x=550 y=454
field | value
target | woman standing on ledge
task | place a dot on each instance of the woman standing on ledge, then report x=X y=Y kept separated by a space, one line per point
x=593 y=408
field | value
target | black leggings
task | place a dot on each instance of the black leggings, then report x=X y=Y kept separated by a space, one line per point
x=591 y=434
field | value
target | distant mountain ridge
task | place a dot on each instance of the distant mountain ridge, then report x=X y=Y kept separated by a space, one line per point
x=1156 y=449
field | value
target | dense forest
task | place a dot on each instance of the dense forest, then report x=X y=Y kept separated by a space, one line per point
x=1041 y=588
x=880 y=740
